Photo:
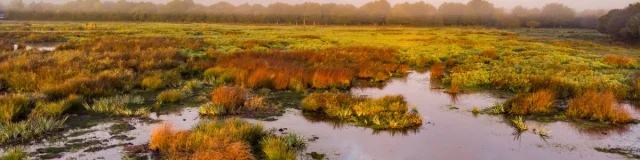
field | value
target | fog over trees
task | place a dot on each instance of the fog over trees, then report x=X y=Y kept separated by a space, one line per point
x=378 y=12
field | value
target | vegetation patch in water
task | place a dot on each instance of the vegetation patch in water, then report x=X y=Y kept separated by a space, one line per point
x=231 y=138
x=389 y=112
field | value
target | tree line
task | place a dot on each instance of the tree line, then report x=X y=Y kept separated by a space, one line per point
x=379 y=12
x=622 y=23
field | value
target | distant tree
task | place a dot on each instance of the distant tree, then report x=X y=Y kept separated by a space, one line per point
x=622 y=23
x=16 y=5
x=377 y=11
x=557 y=15
x=452 y=13
x=504 y=20
x=482 y=10
x=533 y=24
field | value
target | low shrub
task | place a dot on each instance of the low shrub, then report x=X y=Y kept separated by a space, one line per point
x=597 y=106
x=170 y=96
x=538 y=102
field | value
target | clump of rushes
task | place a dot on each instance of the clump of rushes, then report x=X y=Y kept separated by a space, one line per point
x=275 y=148
x=12 y=106
x=597 y=106
x=56 y=109
x=170 y=96
x=519 y=123
x=15 y=154
x=389 y=112
x=230 y=100
x=538 y=102
x=121 y=105
x=475 y=110
x=437 y=71
x=228 y=139
x=30 y=128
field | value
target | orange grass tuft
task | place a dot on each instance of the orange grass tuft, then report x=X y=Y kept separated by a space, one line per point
x=532 y=103
x=598 y=106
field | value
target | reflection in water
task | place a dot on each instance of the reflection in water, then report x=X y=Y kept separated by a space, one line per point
x=343 y=124
x=37 y=46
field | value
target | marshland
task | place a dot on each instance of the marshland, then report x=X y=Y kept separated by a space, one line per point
x=183 y=80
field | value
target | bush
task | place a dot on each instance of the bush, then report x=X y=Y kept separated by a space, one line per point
x=170 y=96
x=597 y=106
x=538 y=102
x=12 y=106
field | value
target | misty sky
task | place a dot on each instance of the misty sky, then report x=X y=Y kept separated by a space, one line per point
x=577 y=4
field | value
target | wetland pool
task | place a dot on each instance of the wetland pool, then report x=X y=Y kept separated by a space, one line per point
x=449 y=131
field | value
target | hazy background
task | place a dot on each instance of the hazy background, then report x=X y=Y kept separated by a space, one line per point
x=576 y=4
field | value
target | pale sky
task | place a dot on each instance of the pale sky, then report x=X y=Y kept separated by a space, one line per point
x=577 y=4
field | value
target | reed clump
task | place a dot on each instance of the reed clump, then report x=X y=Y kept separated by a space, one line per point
x=539 y=102
x=597 y=106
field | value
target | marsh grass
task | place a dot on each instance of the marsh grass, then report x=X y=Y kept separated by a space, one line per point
x=275 y=148
x=30 y=128
x=437 y=71
x=597 y=106
x=539 y=102
x=170 y=96
x=12 y=106
x=121 y=105
x=519 y=123
x=231 y=98
x=389 y=112
x=14 y=154
x=227 y=139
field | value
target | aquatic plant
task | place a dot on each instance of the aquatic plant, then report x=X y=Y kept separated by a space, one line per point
x=212 y=109
x=152 y=83
x=389 y=112
x=519 y=123
x=120 y=105
x=597 y=106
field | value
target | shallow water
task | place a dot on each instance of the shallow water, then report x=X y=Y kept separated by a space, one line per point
x=453 y=134
x=446 y=133
x=39 y=46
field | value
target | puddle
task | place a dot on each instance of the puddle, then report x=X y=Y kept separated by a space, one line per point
x=38 y=46
x=445 y=134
